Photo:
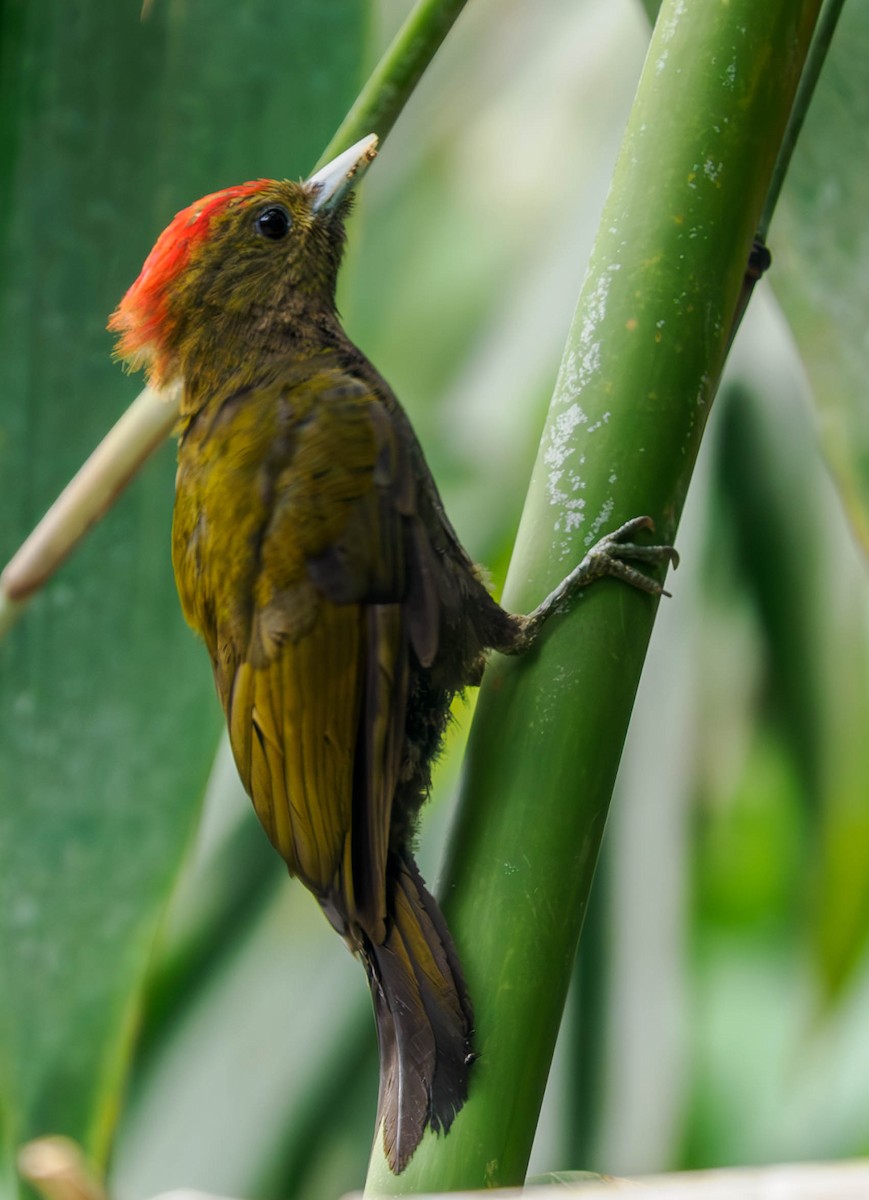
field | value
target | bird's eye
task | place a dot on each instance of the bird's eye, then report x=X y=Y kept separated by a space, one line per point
x=273 y=223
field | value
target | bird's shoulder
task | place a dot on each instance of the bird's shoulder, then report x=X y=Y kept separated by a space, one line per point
x=291 y=489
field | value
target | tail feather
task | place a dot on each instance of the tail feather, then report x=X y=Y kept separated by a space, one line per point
x=424 y=1018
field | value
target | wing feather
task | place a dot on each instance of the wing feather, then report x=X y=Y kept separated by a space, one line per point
x=337 y=586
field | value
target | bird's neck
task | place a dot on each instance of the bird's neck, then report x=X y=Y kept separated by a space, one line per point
x=236 y=355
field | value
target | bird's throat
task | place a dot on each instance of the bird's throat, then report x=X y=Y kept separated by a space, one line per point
x=228 y=355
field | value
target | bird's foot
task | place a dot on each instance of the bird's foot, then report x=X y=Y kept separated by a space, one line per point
x=613 y=556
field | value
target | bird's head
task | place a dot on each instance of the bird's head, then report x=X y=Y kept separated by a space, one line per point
x=232 y=258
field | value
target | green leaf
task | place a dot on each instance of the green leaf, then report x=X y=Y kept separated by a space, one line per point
x=820 y=243
x=109 y=122
x=808 y=582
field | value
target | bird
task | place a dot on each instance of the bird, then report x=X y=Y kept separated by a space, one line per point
x=339 y=608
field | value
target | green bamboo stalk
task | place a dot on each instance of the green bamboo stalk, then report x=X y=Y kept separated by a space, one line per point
x=640 y=369
x=393 y=80
x=827 y=22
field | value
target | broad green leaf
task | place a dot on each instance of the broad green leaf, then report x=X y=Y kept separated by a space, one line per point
x=110 y=120
x=808 y=580
x=820 y=243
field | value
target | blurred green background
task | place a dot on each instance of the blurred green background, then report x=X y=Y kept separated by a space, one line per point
x=719 y=1008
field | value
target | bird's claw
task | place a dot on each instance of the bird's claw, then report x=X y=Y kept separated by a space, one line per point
x=613 y=554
